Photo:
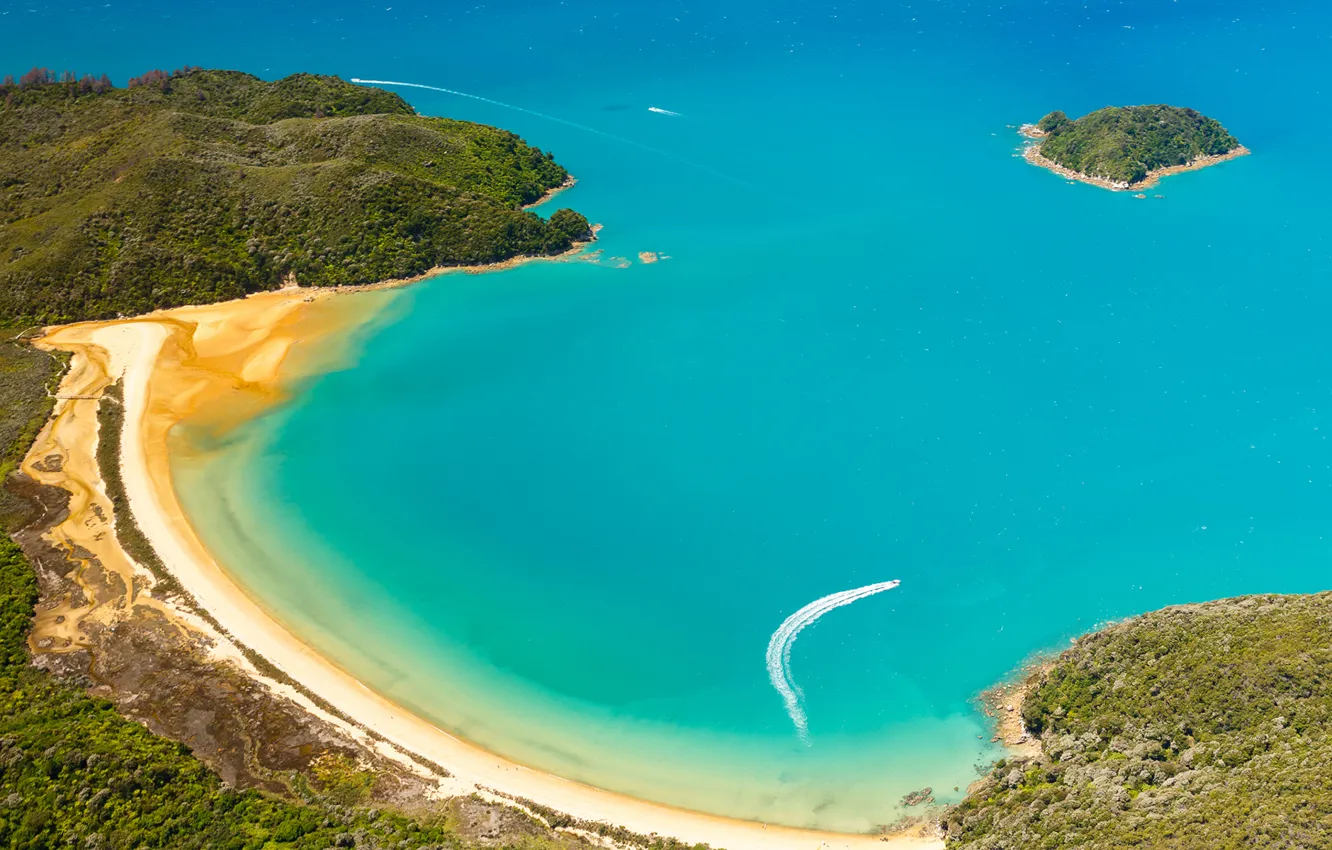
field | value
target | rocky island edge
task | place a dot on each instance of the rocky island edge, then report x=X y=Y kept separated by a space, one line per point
x=1128 y=148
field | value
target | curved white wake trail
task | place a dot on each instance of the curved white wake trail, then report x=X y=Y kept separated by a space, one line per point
x=567 y=123
x=492 y=103
x=779 y=647
x=779 y=653
x=786 y=635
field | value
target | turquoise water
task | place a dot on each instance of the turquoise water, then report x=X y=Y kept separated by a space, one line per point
x=882 y=348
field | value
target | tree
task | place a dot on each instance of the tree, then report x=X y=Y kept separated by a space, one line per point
x=156 y=77
x=571 y=224
x=37 y=76
x=1052 y=122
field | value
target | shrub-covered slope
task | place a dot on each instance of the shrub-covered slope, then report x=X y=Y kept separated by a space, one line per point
x=207 y=185
x=1124 y=143
x=75 y=774
x=1202 y=726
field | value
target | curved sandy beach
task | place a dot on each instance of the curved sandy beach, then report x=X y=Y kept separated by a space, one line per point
x=174 y=364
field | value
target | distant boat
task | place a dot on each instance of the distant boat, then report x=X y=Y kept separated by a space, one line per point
x=661 y=111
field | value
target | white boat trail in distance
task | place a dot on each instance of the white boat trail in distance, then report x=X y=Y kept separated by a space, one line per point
x=779 y=647
x=658 y=151
x=661 y=111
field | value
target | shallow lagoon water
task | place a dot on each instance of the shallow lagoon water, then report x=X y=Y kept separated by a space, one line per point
x=561 y=509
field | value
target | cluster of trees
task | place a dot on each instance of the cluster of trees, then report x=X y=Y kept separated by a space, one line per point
x=1052 y=122
x=1125 y=143
x=158 y=78
x=1197 y=726
x=87 y=84
x=195 y=187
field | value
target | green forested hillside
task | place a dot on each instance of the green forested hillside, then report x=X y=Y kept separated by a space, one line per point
x=1202 y=726
x=1124 y=143
x=205 y=185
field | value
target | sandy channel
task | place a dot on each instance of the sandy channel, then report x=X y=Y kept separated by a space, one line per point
x=231 y=356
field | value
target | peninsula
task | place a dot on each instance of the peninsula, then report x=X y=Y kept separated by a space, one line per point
x=200 y=186
x=1129 y=147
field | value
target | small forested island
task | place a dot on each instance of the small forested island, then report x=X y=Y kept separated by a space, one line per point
x=1129 y=147
x=199 y=186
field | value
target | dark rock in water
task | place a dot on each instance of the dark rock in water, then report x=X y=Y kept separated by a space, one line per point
x=916 y=798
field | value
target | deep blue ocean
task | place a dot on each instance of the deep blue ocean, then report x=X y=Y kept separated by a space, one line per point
x=882 y=347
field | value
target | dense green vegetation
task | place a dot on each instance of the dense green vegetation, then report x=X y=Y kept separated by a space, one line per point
x=204 y=185
x=1052 y=122
x=1124 y=143
x=1203 y=726
x=26 y=375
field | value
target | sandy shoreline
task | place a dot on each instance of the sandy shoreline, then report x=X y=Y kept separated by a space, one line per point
x=1033 y=155
x=551 y=193
x=174 y=363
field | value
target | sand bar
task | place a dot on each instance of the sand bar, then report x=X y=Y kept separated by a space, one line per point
x=231 y=355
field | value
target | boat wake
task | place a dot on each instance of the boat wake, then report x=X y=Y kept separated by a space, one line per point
x=779 y=647
x=499 y=103
x=621 y=139
x=660 y=111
